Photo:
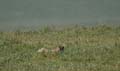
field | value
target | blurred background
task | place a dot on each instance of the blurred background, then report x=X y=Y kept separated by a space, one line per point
x=18 y=14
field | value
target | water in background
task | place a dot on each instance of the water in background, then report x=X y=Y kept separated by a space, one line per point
x=16 y=14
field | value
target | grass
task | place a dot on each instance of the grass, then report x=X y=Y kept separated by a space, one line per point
x=95 y=48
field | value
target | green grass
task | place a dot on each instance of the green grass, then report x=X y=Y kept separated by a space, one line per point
x=86 y=49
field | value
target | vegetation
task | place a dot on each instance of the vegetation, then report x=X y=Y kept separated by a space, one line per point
x=95 y=48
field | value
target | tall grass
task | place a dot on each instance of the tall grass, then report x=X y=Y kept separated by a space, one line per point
x=95 y=48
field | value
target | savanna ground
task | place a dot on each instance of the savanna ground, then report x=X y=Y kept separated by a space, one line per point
x=94 y=48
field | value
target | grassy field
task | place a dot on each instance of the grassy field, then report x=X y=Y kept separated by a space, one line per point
x=86 y=49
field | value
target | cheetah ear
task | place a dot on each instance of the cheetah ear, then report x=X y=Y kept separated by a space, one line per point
x=62 y=44
x=61 y=47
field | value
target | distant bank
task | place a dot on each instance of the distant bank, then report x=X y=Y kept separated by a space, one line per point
x=27 y=25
